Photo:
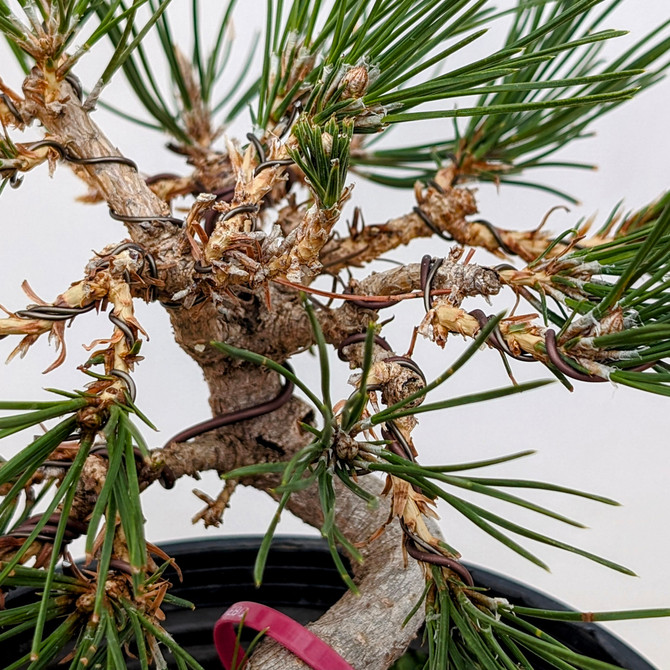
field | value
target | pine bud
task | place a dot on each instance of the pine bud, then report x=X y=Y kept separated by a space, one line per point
x=355 y=82
x=327 y=143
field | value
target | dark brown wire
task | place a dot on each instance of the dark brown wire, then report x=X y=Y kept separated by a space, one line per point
x=269 y=164
x=558 y=362
x=439 y=559
x=147 y=260
x=371 y=304
x=260 y=151
x=202 y=269
x=124 y=328
x=239 y=415
x=429 y=268
x=161 y=176
x=9 y=103
x=141 y=219
x=496 y=235
x=53 y=312
x=15 y=180
x=121 y=566
x=409 y=363
x=297 y=106
x=504 y=347
x=128 y=245
x=398 y=444
x=496 y=340
x=224 y=195
x=170 y=304
x=356 y=338
x=62 y=313
x=431 y=224
x=241 y=209
x=73 y=528
x=65 y=154
x=425 y=268
x=102 y=450
x=75 y=82
x=129 y=382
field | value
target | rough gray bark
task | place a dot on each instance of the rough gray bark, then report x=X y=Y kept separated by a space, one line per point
x=356 y=626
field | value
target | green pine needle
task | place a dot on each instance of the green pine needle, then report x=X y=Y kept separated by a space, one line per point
x=323 y=156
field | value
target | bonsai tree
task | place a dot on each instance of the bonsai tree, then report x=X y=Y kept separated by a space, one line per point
x=246 y=248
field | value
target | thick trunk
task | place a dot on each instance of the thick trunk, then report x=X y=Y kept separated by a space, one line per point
x=366 y=629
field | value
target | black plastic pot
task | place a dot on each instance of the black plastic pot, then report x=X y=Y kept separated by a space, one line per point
x=301 y=581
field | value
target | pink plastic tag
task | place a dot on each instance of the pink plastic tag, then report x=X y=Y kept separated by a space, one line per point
x=289 y=633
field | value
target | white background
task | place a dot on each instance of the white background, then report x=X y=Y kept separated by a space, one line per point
x=608 y=440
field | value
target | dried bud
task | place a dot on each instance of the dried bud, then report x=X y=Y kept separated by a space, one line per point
x=355 y=82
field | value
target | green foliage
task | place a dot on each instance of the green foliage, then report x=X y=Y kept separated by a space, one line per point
x=20 y=469
x=408 y=406
x=47 y=29
x=111 y=624
x=472 y=630
x=315 y=463
x=464 y=628
x=8 y=161
x=426 y=478
x=120 y=494
x=623 y=285
x=124 y=46
x=323 y=156
x=564 y=88
x=365 y=61
x=320 y=461
x=204 y=70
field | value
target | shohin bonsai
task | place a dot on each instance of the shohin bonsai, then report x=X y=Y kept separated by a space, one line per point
x=247 y=250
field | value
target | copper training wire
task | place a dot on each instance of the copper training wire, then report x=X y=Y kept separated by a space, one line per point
x=229 y=418
x=357 y=338
x=496 y=340
x=558 y=362
x=365 y=303
x=438 y=559
x=142 y=219
x=496 y=236
x=429 y=268
x=73 y=528
x=67 y=155
x=241 y=209
x=431 y=224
